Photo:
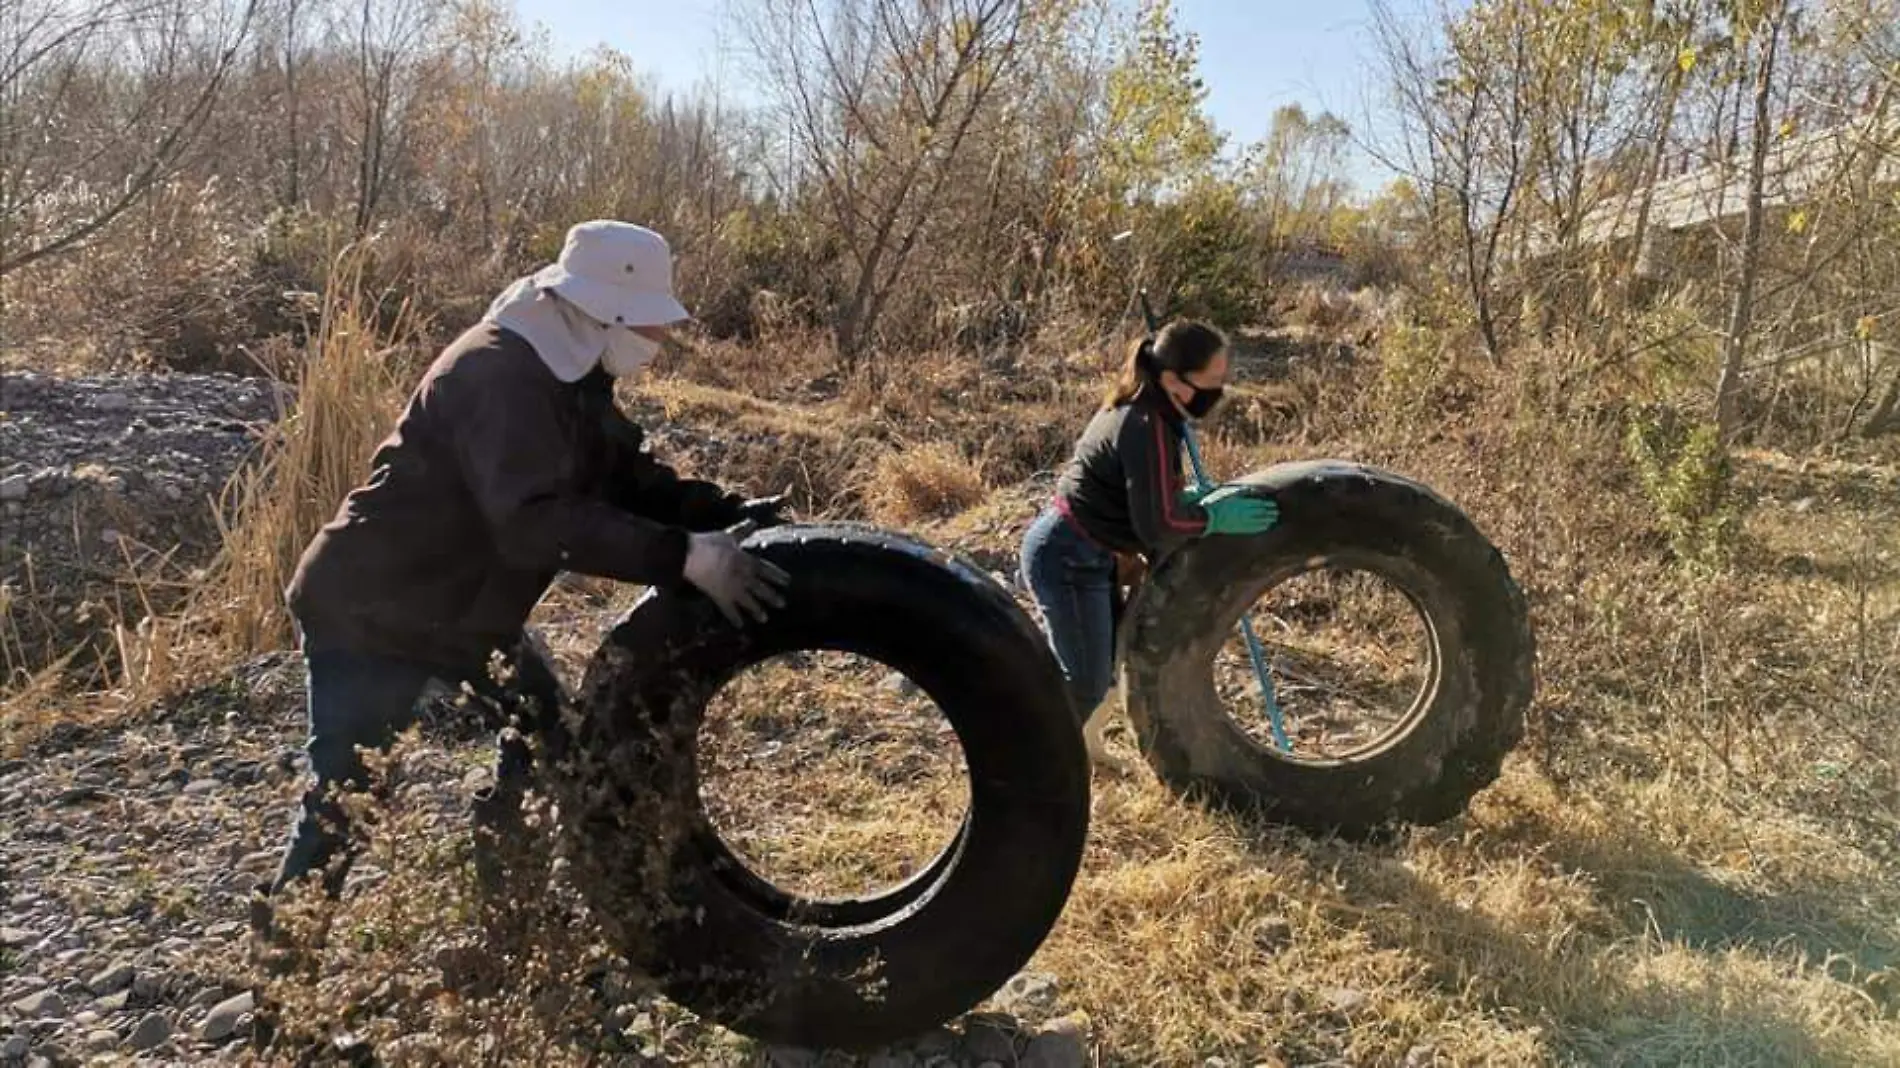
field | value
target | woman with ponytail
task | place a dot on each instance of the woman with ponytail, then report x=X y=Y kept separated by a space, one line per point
x=1121 y=498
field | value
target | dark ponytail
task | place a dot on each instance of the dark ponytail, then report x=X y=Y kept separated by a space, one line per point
x=1183 y=346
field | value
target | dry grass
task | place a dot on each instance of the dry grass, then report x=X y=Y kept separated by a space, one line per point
x=1692 y=861
x=1645 y=924
x=923 y=482
x=1666 y=875
x=348 y=390
x=876 y=746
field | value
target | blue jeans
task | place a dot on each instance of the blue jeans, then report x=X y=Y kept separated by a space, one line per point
x=365 y=700
x=1073 y=582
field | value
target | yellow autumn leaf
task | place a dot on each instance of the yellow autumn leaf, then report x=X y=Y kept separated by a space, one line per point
x=1864 y=329
x=1798 y=222
x=1787 y=128
x=1685 y=60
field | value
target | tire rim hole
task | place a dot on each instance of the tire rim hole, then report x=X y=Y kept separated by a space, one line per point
x=830 y=775
x=1352 y=661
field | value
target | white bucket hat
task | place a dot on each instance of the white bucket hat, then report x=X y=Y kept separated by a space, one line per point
x=616 y=272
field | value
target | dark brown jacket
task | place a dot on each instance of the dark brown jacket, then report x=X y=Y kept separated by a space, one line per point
x=497 y=477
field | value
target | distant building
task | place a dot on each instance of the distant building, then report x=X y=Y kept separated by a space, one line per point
x=1863 y=152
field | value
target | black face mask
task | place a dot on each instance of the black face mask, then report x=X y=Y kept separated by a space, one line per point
x=1202 y=402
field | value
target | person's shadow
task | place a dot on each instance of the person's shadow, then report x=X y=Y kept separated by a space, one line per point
x=1635 y=981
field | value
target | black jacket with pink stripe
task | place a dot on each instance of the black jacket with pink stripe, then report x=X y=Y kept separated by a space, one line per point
x=1124 y=482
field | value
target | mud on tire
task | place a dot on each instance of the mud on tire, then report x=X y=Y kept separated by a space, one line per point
x=845 y=974
x=1466 y=718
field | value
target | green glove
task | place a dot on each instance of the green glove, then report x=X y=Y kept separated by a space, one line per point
x=1229 y=511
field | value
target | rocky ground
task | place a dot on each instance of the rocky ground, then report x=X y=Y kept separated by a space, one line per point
x=124 y=924
x=108 y=475
x=124 y=919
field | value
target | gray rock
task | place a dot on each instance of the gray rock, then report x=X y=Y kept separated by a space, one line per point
x=15 y=1048
x=791 y=1057
x=102 y=1039
x=899 y=1059
x=13 y=488
x=111 y=1003
x=200 y=787
x=15 y=937
x=153 y=1031
x=148 y=986
x=84 y=1018
x=44 y=1005
x=223 y=1020
x=112 y=979
x=1029 y=993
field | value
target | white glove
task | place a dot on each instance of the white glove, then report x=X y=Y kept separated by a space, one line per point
x=733 y=578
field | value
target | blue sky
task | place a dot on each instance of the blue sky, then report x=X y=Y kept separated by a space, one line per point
x=1256 y=55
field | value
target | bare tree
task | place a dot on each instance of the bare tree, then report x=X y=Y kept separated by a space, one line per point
x=390 y=36
x=1466 y=124
x=1735 y=343
x=99 y=103
x=879 y=96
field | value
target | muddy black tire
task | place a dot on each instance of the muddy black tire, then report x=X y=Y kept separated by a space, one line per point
x=1467 y=718
x=832 y=974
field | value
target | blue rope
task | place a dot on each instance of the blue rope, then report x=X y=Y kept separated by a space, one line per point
x=1255 y=651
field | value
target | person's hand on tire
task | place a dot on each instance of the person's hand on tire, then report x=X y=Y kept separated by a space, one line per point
x=1231 y=511
x=733 y=579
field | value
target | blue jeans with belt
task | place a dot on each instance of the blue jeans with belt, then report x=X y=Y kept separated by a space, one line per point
x=1073 y=582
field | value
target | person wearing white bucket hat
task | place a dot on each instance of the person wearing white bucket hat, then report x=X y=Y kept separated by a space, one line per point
x=509 y=464
x=607 y=300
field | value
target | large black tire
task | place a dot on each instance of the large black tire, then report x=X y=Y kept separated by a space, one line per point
x=839 y=974
x=1467 y=718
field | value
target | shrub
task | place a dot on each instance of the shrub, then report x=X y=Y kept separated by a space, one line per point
x=1687 y=476
x=923 y=482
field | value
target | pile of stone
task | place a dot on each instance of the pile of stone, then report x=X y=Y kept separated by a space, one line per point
x=104 y=478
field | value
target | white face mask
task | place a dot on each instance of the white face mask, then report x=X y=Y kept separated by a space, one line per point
x=627 y=352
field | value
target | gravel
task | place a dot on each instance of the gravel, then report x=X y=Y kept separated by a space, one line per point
x=125 y=906
x=94 y=471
